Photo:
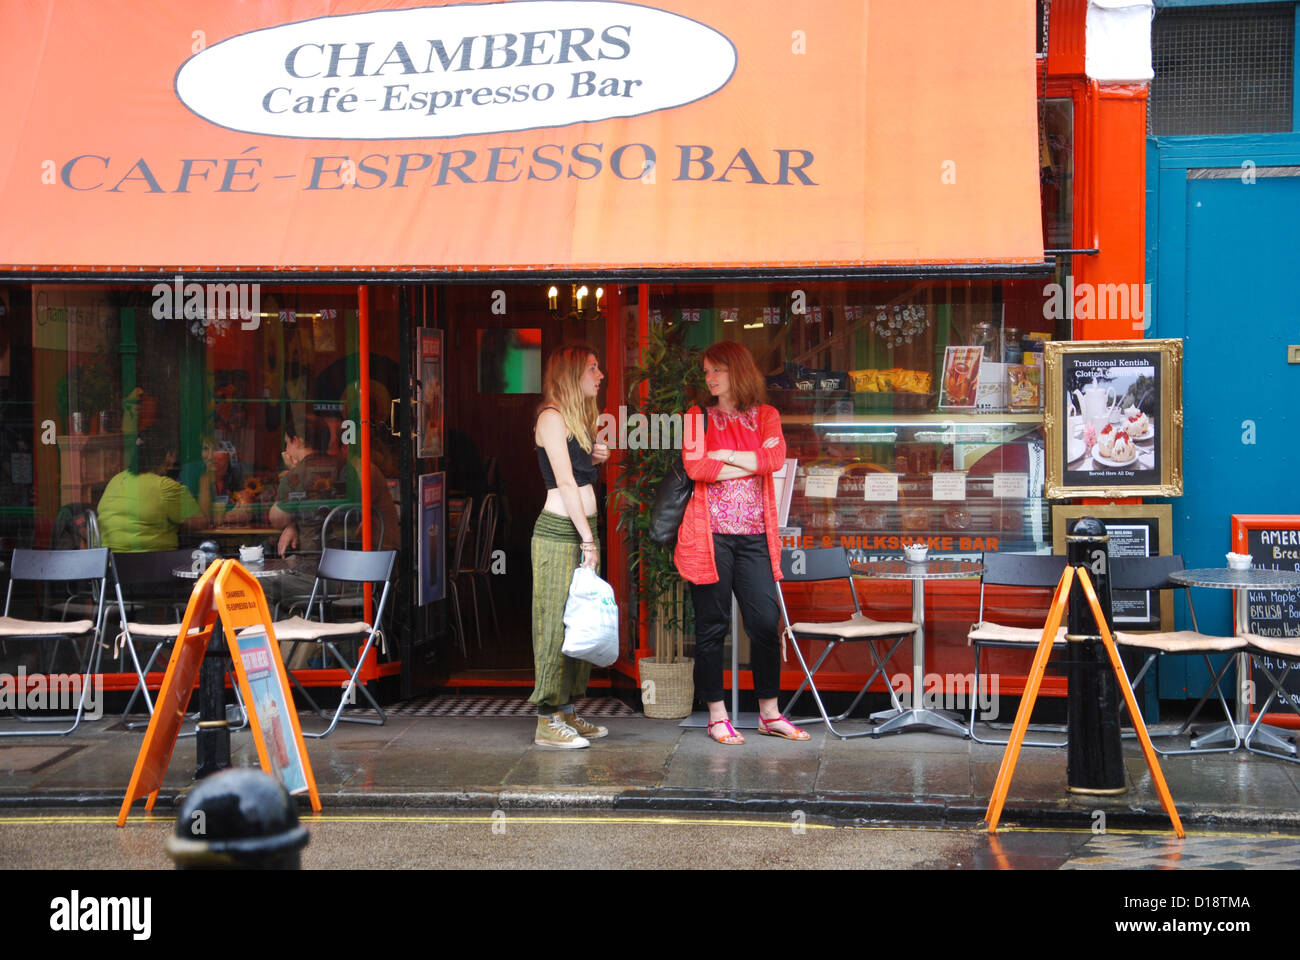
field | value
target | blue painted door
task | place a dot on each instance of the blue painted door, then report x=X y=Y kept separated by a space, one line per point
x=1240 y=443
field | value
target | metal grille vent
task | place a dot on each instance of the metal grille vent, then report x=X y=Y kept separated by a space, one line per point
x=1222 y=70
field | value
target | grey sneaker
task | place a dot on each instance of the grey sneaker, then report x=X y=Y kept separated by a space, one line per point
x=591 y=731
x=552 y=731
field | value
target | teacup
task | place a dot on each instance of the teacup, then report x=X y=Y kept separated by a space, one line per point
x=915 y=552
x=251 y=554
x=1239 y=561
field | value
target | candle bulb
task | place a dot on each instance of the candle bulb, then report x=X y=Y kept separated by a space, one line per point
x=553 y=297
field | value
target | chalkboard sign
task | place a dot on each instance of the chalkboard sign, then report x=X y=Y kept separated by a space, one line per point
x=1273 y=542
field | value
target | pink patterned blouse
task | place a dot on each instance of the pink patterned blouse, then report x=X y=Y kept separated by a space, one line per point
x=735 y=506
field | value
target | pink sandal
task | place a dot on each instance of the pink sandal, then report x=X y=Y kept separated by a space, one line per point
x=732 y=739
x=764 y=727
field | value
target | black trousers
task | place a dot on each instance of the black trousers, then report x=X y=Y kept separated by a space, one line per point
x=745 y=569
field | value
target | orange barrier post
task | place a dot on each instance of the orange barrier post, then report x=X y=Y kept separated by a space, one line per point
x=1153 y=764
x=1035 y=679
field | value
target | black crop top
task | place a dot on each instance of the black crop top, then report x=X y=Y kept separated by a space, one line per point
x=584 y=471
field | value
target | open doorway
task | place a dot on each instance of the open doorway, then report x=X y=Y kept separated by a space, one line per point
x=498 y=337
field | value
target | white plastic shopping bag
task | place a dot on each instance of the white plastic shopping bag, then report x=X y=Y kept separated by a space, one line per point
x=591 y=619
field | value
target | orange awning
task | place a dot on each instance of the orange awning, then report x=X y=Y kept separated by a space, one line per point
x=301 y=135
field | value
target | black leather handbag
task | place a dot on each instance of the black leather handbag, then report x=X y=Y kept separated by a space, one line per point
x=671 y=498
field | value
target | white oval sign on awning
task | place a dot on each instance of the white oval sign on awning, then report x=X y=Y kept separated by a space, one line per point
x=456 y=71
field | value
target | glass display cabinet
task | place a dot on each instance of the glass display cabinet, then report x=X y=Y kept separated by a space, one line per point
x=962 y=483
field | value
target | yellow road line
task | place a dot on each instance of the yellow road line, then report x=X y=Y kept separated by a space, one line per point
x=308 y=819
x=522 y=818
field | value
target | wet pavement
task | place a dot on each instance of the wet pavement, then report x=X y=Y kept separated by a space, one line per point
x=644 y=765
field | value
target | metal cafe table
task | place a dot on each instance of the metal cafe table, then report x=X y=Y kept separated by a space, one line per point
x=262 y=569
x=1240 y=581
x=918 y=573
x=213 y=742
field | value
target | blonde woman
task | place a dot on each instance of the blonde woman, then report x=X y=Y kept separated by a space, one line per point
x=564 y=537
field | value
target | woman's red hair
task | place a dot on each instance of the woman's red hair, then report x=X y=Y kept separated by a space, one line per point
x=748 y=388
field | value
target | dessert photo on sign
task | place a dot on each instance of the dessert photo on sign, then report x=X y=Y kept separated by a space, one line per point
x=1112 y=413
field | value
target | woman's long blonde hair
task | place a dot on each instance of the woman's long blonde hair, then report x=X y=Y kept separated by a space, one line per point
x=561 y=389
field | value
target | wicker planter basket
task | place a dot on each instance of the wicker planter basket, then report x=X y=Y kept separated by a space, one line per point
x=671 y=689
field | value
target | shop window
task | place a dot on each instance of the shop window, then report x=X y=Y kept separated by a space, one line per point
x=1223 y=70
x=202 y=384
x=912 y=411
x=902 y=383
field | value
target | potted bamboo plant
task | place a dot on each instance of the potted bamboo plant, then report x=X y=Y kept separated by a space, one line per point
x=671 y=374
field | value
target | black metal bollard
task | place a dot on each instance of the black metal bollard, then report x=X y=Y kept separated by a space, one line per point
x=212 y=744
x=238 y=819
x=1095 y=762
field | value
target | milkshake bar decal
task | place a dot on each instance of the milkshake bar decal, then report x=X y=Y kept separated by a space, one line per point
x=455 y=71
x=521 y=135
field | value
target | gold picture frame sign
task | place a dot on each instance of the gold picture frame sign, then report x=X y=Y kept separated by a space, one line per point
x=1066 y=363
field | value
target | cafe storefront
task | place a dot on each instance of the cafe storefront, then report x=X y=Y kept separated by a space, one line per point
x=258 y=224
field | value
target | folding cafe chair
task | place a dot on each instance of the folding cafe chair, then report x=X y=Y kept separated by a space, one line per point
x=1152 y=573
x=348 y=567
x=459 y=537
x=815 y=566
x=480 y=564
x=76 y=527
x=143 y=611
x=59 y=567
x=343 y=530
x=1013 y=570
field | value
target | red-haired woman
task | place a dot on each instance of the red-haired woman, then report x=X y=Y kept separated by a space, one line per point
x=564 y=537
x=728 y=541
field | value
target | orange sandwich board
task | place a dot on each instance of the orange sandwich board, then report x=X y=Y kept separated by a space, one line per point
x=1008 y=768
x=229 y=592
x=241 y=604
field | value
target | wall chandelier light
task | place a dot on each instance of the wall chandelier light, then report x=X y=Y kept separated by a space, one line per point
x=583 y=305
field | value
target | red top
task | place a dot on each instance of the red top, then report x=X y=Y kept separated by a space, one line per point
x=694 y=553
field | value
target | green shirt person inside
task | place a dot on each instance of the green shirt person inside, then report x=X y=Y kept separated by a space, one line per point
x=142 y=509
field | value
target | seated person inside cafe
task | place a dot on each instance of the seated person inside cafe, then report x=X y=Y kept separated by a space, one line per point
x=142 y=508
x=316 y=482
x=219 y=477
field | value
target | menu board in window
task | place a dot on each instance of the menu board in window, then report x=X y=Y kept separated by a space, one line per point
x=1135 y=530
